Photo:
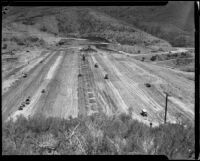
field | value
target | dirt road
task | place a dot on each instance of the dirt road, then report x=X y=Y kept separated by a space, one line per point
x=76 y=87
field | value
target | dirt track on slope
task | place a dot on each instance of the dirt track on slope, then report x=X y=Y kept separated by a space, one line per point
x=68 y=94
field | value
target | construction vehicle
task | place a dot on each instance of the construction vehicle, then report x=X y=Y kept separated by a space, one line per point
x=24 y=75
x=43 y=91
x=144 y=113
x=28 y=101
x=96 y=65
x=21 y=106
x=147 y=84
x=106 y=76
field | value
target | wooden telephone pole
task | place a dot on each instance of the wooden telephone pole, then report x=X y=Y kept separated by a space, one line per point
x=165 y=119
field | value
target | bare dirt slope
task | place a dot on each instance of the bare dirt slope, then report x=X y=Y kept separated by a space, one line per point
x=43 y=70
x=74 y=86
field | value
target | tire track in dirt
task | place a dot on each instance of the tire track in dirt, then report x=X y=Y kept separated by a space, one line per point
x=99 y=86
x=111 y=91
x=29 y=110
x=26 y=87
x=127 y=88
x=88 y=103
x=173 y=105
x=61 y=99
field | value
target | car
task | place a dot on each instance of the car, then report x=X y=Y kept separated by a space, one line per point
x=20 y=108
x=28 y=101
x=24 y=75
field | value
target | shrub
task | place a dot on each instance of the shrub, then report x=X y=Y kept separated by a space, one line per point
x=32 y=39
x=119 y=135
x=19 y=41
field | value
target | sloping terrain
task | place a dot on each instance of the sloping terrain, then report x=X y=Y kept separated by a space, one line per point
x=78 y=64
x=41 y=62
x=175 y=18
x=124 y=90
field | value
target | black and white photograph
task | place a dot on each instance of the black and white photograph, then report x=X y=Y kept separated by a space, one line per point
x=99 y=80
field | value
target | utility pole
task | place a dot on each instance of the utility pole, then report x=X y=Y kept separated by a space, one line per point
x=166 y=107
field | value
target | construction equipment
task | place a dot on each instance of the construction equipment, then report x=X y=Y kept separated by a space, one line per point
x=20 y=108
x=148 y=85
x=144 y=113
x=24 y=75
x=28 y=101
x=96 y=65
x=106 y=76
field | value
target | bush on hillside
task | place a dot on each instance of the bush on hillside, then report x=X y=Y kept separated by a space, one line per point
x=95 y=134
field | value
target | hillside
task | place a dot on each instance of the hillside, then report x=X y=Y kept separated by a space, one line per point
x=80 y=80
x=173 y=22
x=74 y=21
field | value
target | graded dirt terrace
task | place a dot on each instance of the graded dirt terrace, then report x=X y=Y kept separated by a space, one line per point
x=73 y=86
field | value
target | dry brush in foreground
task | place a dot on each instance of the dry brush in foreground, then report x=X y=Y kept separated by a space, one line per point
x=97 y=134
